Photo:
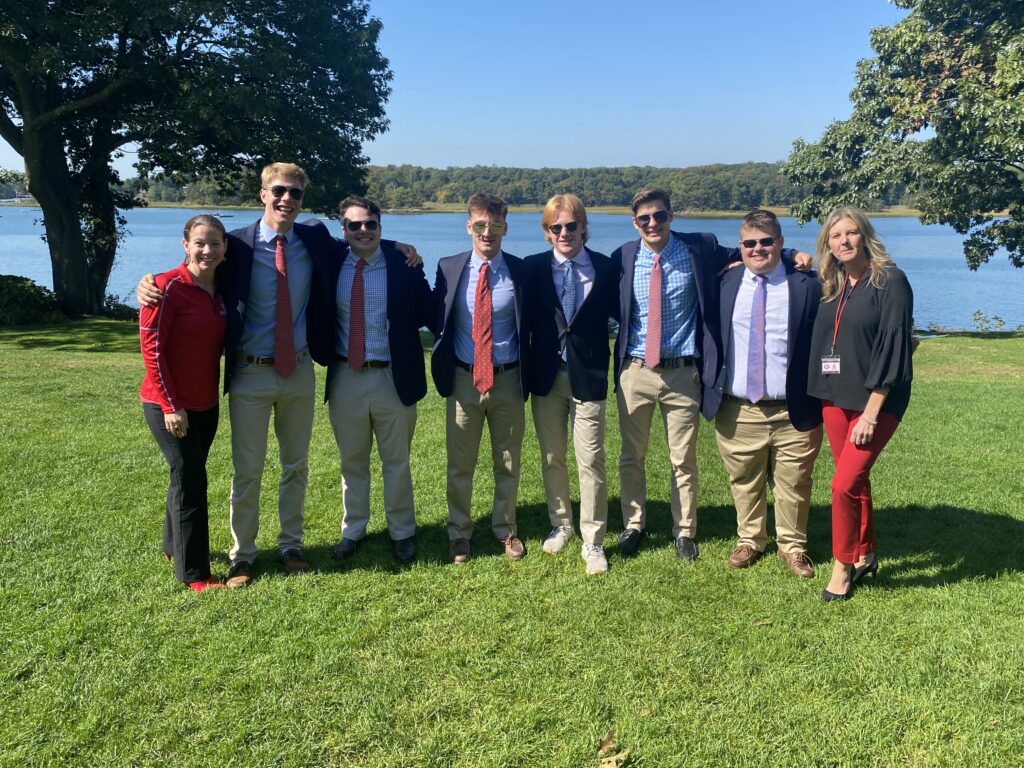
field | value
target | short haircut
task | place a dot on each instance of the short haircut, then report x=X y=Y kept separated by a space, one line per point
x=650 y=195
x=204 y=220
x=355 y=201
x=487 y=203
x=762 y=220
x=283 y=171
x=566 y=202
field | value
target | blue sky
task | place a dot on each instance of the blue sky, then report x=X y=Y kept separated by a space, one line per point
x=601 y=83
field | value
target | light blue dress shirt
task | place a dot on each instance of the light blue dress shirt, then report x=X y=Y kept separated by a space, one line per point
x=503 y=311
x=678 y=301
x=260 y=312
x=776 y=335
x=375 y=304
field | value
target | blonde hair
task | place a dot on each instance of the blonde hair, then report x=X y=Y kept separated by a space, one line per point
x=831 y=272
x=283 y=171
x=569 y=203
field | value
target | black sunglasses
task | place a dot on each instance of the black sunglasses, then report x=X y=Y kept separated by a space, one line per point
x=354 y=226
x=659 y=216
x=278 y=190
x=570 y=226
x=767 y=242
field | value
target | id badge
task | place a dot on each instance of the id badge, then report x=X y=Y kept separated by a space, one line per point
x=830 y=365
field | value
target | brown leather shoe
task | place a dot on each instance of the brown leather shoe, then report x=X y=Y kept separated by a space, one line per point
x=744 y=556
x=799 y=563
x=293 y=561
x=240 y=575
x=514 y=548
x=458 y=551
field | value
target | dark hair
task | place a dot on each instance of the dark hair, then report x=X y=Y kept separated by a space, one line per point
x=763 y=220
x=488 y=203
x=650 y=195
x=355 y=201
x=204 y=220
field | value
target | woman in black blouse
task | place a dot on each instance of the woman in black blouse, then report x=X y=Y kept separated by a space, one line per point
x=861 y=369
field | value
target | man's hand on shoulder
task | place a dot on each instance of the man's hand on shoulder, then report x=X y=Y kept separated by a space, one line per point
x=412 y=259
x=147 y=293
x=803 y=262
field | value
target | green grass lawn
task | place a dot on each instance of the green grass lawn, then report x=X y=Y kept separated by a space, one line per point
x=105 y=660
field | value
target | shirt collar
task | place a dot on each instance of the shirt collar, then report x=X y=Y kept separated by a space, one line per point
x=775 y=277
x=370 y=260
x=477 y=261
x=581 y=259
x=268 y=235
x=670 y=249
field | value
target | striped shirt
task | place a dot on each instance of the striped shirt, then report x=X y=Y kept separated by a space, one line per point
x=678 y=301
x=375 y=304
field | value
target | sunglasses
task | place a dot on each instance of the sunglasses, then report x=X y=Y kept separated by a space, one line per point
x=278 y=190
x=659 y=216
x=767 y=242
x=370 y=225
x=570 y=226
x=496 y=227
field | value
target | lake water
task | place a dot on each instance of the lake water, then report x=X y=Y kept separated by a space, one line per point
x=946 y=293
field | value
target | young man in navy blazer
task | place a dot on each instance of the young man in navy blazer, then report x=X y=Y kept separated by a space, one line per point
x=377 y=374
x=574 y=292
x=768 y=427
x=478 y=364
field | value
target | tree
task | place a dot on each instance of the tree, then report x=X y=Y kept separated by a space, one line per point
x=200 y=86
x=940 y=109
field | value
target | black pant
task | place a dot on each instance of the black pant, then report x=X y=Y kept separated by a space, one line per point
x=186 y=521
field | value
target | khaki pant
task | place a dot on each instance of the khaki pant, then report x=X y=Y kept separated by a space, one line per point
x=256 y=392
x=677 y=392
x=505 y=413
x=761 y=448
x=364 y=406
x=552 y=415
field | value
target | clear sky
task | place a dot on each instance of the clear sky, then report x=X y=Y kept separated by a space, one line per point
x=535 y=83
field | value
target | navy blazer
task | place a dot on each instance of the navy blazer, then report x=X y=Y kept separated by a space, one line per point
x=237 y=278
x=442 y=356
x=586 y=336
x=410 y=307
x=707 y=258
x=804 y=297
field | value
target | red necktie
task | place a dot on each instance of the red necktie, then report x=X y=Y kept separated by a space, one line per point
x=652 y=347
x=284 y=334
x=357 y=321
x=483 y=340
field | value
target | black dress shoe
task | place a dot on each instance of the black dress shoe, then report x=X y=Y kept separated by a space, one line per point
x=864 y=570
x=831 y=597
x=629 y=541
x=686 y=548
x=404 y=549
x=346 y=548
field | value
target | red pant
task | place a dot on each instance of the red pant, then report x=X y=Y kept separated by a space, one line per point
x=853 y=528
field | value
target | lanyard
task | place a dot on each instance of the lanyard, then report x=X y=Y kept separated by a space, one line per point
x=844 y=300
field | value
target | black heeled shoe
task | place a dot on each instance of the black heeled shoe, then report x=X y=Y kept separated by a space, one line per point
x=865 y=570
x=831 y=597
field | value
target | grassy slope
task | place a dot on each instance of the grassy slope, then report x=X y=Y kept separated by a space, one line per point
x=105 y=661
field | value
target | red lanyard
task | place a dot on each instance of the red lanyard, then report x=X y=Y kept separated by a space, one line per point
x=844 y=300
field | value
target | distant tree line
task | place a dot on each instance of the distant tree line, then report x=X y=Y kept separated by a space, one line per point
x=738 y=187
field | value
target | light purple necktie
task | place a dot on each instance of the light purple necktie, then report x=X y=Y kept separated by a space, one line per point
x=755 y=347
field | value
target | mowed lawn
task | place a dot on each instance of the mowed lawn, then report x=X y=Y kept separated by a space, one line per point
x=106 y=661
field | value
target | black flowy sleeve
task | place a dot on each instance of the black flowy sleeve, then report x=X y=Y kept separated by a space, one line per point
x=891 y=359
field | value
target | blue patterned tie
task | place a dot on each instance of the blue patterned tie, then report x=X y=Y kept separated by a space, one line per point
x=755 y=348
x=568 y=297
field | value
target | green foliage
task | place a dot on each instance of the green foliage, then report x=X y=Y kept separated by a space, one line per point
x=104 y=660
x=939 y=111
x=22 y=302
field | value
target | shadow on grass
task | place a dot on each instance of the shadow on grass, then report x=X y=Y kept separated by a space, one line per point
x=93 y=335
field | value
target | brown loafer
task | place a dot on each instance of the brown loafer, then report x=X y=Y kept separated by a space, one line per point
x=458 y=551
x=799 y=563
x=293 y=561
x=240 y=575
x=744 y=556
x=514 y=549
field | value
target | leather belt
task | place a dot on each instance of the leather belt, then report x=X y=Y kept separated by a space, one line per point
x=259 y=360
x=368 y=363
x=762 y=401
x=497 y=368
x=668 y=362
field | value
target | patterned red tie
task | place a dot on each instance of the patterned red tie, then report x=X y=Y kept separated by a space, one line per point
x=284 y=334
x=483 y=341
x=652 y=347
x=357 y=320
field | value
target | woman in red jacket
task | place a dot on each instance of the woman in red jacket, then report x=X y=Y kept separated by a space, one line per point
x=182 y=339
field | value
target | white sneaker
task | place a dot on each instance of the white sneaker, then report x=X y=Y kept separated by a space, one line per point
x=557 y=539
x=593 y=556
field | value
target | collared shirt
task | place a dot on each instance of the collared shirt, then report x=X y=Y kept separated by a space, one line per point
x=584 y=274
x=503 y=310
x=776 y=335
x=678 y=301
x=375 y=304
x=258 y=333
